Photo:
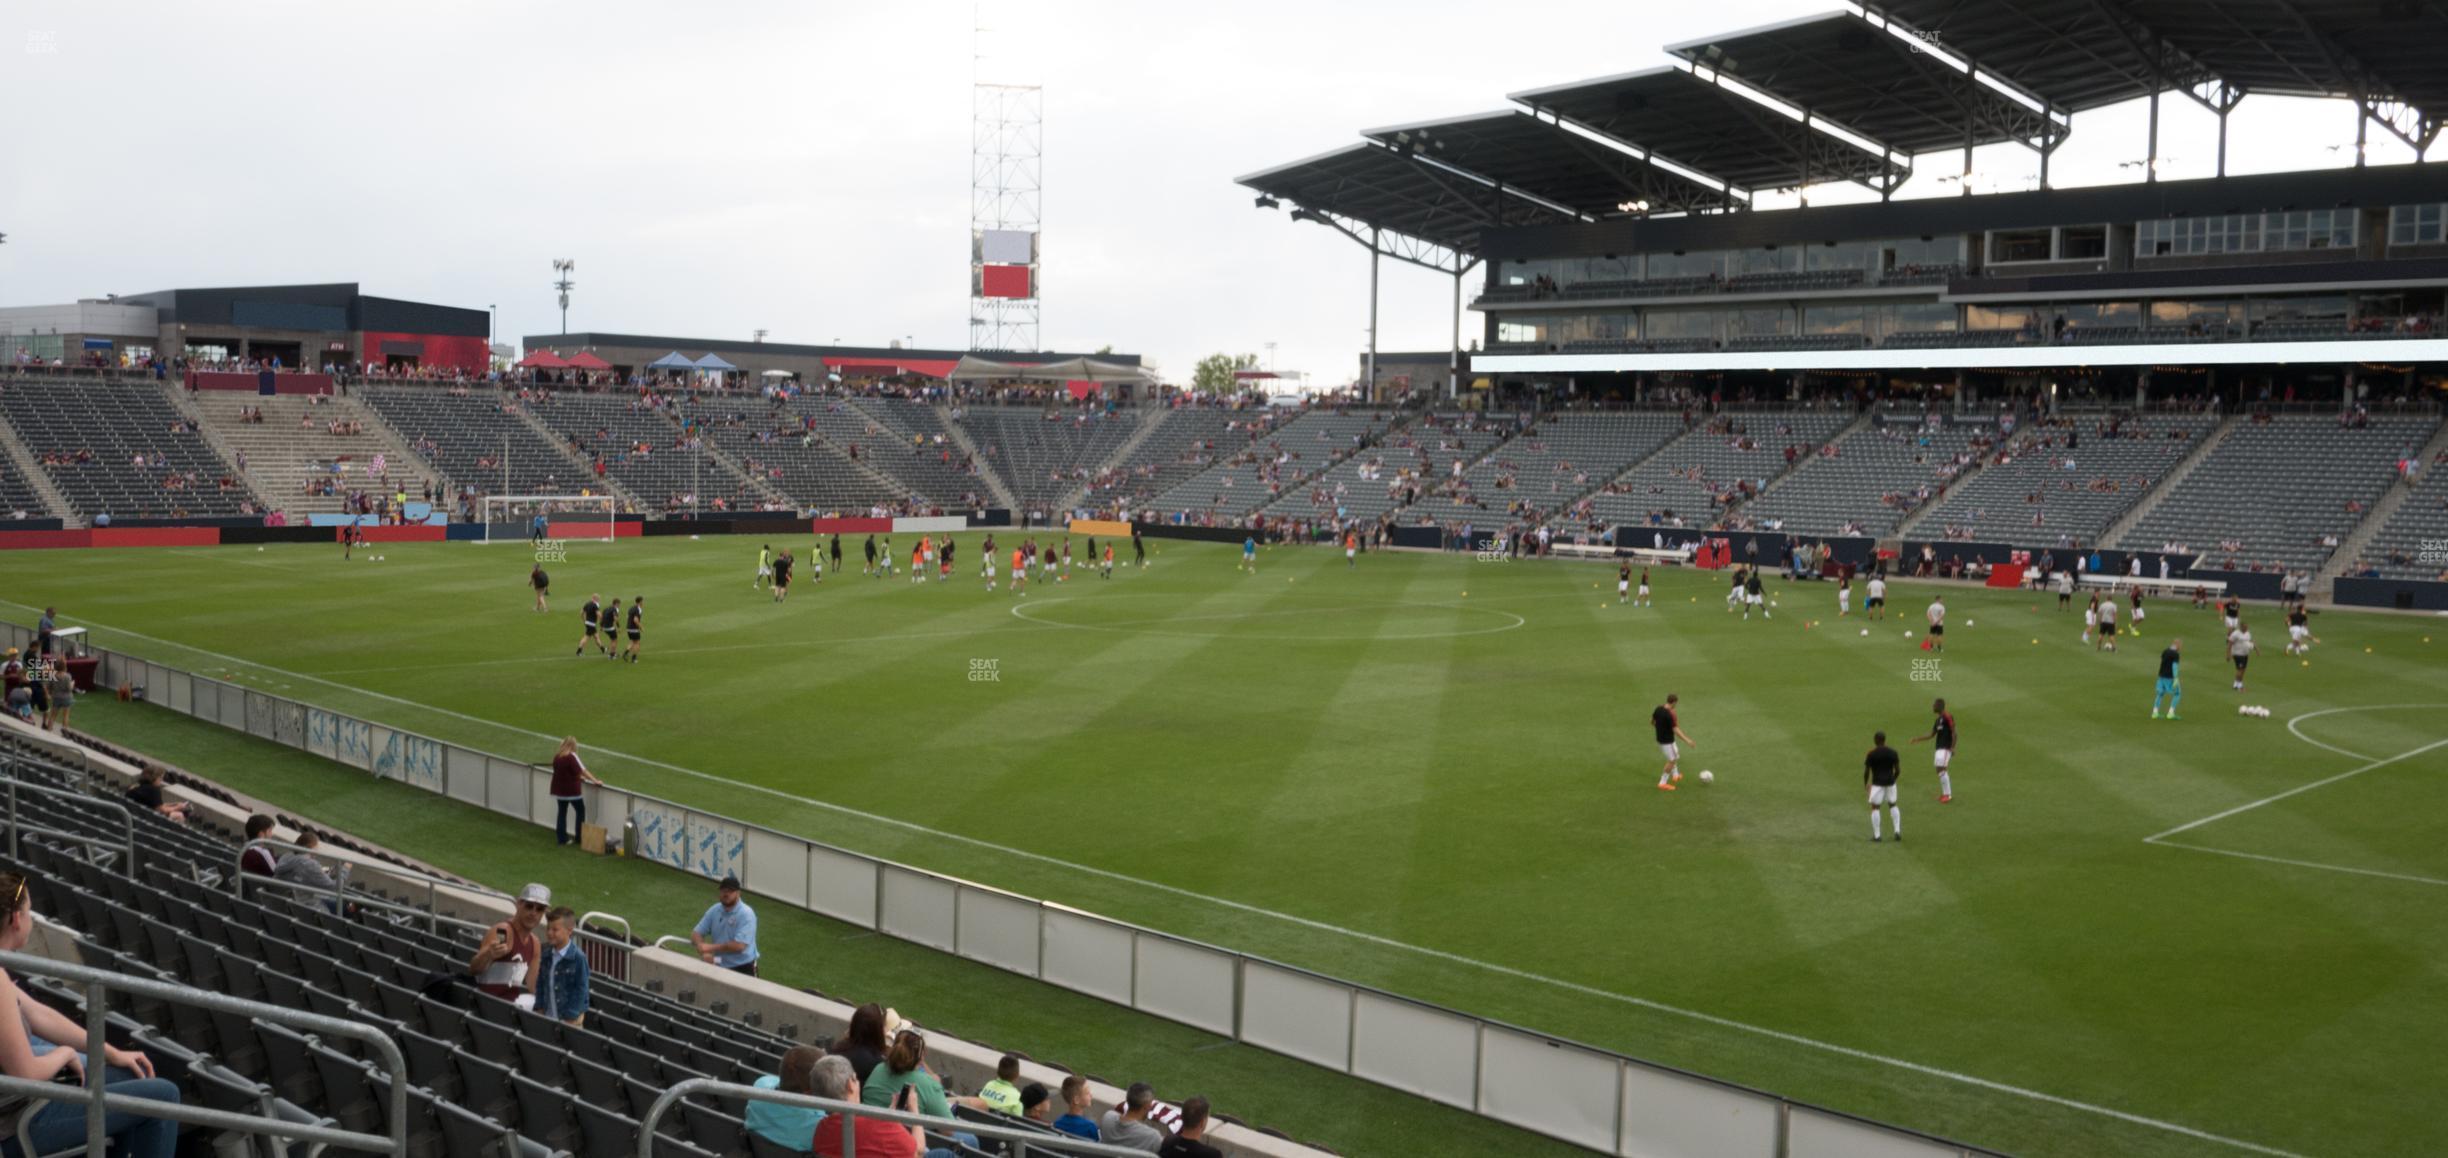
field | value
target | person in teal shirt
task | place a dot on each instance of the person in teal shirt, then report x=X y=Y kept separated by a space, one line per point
x=790 y=1127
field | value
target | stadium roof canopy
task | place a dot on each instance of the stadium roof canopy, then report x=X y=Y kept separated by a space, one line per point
x=1691 y=121
x=1369 y=185
x=2074 y=56
x=1519 y=151
x=1839 y=67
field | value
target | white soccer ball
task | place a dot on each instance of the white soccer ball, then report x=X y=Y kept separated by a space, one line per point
x=1865 y=631
x=1708 y=777
x=378 y=558
x=1967 y=623
x=1908 y=635
x=259 y=548
x=2244 y=709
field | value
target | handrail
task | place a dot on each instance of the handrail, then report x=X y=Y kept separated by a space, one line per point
x=1060 y=1143
x=15 y=822
x=97 y=1100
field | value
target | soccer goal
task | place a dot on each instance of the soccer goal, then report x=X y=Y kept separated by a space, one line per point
x=532 y=518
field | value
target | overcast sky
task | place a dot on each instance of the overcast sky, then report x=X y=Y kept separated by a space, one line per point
x=803 y=167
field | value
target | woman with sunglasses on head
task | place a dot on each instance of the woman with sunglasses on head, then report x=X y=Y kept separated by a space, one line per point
x=36 y=1044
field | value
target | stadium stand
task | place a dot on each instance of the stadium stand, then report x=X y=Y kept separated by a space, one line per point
x=1868 y=482
x=466 y=434
x=306 y=455
x=929 y=459
x=2066 y=482
x=638 y=441
x=2279 y=494
x=1538 y=475
x=122 y=449
x=1046 y=456
x=2413 y=542
x=1271 y=464
x=1403 y=466
x=781 y=440
x=18 y=499
x=1696 y=473
x=1179 y=443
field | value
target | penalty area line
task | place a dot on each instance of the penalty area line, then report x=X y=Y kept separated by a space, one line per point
x=1517 y=974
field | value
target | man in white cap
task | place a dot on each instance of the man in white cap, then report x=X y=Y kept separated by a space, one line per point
x=505 y=963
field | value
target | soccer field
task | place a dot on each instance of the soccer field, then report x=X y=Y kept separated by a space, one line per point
x=1434 y=775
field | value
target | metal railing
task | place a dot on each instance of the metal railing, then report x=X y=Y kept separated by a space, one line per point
x=99 y=1101
x=1036 y=1139
x=17 y=824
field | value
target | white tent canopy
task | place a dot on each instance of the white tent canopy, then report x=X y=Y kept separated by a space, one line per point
x=975 y=369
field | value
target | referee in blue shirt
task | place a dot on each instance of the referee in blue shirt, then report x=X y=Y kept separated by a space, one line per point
x=726 y=935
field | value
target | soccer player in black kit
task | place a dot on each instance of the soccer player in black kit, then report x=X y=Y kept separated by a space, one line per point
x=637 y=626
x=542 y=584
x=782 y=577
x=611 y=629
x=1880 y=770
x=1942 y=730
x=587 y=617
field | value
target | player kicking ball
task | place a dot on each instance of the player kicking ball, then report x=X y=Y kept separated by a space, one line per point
x=2171 y=689
x=1880 y=771
x=1670 y=737
x=1942 y=730
x=2299 y=630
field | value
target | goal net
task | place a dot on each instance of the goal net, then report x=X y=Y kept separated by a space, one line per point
x=547 y=518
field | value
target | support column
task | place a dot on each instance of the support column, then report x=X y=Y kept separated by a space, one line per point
x=2362 y=128
x=1374 y=254
x=2150 y=167
x=1453 y=364
x=2142 y=384
x=2224 y=108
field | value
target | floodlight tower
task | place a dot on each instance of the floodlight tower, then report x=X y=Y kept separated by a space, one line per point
x=1006 y=183
x=561 y=281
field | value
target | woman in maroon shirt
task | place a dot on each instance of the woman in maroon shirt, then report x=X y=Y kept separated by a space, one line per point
x=569 y=779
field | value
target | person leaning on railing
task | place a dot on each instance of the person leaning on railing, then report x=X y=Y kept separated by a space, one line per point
x=27 y=1051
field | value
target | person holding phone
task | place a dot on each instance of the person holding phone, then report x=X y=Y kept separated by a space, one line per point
x=873 y=1139
x=505 y=961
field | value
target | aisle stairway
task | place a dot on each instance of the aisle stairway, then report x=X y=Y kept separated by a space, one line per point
x=281 y=455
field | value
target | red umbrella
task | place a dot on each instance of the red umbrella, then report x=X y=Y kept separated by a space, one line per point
x=586 y=360
x=543 y=360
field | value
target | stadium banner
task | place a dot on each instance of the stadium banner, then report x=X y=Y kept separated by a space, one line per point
x=43 y=540
x=990 y=517
x=222 y=521
x=1550 y=1087
x=1296 y=1014
x=1198 y=534
x=1416 y=1048
x=661 y=527
x=36 y=525
x=1417 y=538
x=919 y=907
x=712 y=846
x=1670 y=1112
x=996 y=927
x=1086 y=954
x=930 y=524
x=843 y=885
x=662 y=831
x=388 y=534
x=241 y=536
x=2402 y=594
x=1812 y=1132
x=1189 y=983
x=157 y=537
x=582 y=529
x=1107 y=527
x=410 y=759
x=851 y=526
x=776 y=865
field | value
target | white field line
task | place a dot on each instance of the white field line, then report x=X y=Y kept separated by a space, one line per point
x=1287 y=918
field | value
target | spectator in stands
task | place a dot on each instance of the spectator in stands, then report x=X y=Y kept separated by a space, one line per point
x=60 y=1125
x=561 y=977
x=148 y=794
x=255 y=859
x=569 y=780
x=504 y=964
x=301 y=868
x=63 y=699
x=1003 y=1093
x=834 y=1080
x=1037 y=1103
x=1075 y=1120
x=865 y=1041
x=905 y=1067
x=726 y=935
x=1190 y=1139
x=1128 y=1125
x=789 y=1127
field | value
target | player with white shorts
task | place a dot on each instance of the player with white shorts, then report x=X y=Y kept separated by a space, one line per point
x=1844 y=597
x=1734 y=594
x=1642 y=597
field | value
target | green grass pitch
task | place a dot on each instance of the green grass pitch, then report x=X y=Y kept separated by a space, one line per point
x=1434 y=775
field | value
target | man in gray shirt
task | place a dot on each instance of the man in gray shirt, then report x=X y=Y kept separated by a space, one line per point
x=1128 y=1125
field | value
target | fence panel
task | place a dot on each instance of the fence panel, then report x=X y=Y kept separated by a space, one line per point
x=1189 y=983
x=662 y=831
x=1672 y=1115
x=506 y=788
x=182 y=694
x=322 y=733
x=842 y=885
x=777 y=867
x=204 y=698
x=607 y=808
x=999 y=929
x=1410 y=1047
x=408 y=758
x=712 y=846
x=1549 y=1087
x=464 y=771
x=1296 y=1014
x=919 y=907
x=1087 y=954
x=1819 y=1134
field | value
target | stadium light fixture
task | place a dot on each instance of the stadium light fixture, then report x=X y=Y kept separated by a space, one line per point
x=1632 y=206
x=561 y=281
x=1266 y=201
